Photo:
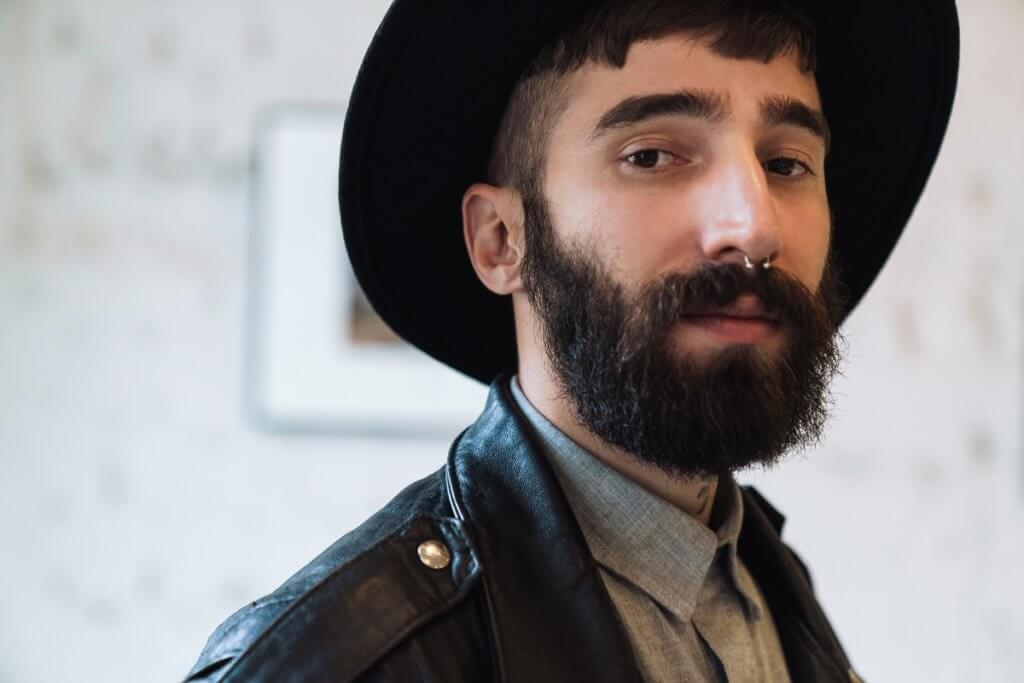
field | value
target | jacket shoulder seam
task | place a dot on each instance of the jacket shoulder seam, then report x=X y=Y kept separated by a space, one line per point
x=367 y=556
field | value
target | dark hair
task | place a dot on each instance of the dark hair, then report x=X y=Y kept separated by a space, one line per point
x=742 y=29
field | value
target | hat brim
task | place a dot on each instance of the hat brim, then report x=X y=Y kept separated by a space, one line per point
x=434 y=84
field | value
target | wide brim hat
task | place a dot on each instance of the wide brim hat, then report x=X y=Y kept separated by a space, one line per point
x=435 y=82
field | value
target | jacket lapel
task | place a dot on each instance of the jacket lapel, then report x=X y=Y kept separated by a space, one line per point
x=551 y=615
x=813 y=652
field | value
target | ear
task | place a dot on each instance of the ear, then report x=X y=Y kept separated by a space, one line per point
x=491 y=226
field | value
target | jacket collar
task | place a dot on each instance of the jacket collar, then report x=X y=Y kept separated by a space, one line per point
x=547 y=601
x=544 y=591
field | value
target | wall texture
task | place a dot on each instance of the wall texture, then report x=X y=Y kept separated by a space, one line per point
x=138 y=507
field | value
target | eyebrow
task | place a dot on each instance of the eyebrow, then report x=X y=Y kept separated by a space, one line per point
x=776 y=110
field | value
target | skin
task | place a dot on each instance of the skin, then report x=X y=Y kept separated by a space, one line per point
x=717 y=191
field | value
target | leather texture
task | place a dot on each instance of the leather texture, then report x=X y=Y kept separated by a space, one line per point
x=521 y=599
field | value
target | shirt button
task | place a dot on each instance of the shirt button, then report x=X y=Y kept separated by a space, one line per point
x=434 y=554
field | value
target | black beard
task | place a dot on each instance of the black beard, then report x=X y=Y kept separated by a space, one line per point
x=613 y=358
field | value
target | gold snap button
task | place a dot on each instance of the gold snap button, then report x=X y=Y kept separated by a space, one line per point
x=434 y=554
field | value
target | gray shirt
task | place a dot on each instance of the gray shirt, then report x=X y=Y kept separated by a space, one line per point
x=689 y=606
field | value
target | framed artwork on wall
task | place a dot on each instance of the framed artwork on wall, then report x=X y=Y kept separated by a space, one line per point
x=318 y=358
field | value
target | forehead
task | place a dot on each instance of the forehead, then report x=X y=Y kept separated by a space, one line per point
x=679 y=62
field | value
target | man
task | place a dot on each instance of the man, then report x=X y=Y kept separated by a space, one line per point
x=671 y=206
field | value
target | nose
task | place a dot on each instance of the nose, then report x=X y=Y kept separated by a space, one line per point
x=738 y=216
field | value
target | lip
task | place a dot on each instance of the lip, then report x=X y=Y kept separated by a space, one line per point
x=746 y=306
x=745 y=321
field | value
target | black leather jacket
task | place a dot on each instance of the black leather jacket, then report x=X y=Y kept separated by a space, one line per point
x=521 y=599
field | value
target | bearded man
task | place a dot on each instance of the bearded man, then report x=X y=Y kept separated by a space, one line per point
x=669 y=207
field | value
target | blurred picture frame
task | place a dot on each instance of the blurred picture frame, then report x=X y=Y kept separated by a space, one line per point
x=318 y=359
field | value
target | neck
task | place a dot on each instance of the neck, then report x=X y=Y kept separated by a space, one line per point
x=693 y=496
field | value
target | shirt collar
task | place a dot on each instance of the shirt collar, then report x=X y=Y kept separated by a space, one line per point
x=638 y=535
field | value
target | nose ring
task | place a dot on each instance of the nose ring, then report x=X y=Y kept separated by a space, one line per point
x=750 y=266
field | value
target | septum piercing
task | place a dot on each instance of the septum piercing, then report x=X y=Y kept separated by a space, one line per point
x=750 y=266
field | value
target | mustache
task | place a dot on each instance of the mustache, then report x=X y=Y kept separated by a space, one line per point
x=714 y=286
x=675 y=296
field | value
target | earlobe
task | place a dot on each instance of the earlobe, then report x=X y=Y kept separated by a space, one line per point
x=490 y=233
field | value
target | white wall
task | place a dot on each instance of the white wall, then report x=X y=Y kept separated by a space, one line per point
x=138 y=507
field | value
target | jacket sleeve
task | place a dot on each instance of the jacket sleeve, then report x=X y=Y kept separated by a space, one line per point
x=237 y=633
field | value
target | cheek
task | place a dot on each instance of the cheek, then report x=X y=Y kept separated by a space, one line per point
x=635 y=233
x=808 y=243
x=585 y=216
x=639 y=239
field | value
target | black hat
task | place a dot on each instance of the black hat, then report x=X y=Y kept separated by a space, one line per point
x=433 y=87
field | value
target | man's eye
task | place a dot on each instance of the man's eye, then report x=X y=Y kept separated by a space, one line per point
x=649 y=158
x=786 y=165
